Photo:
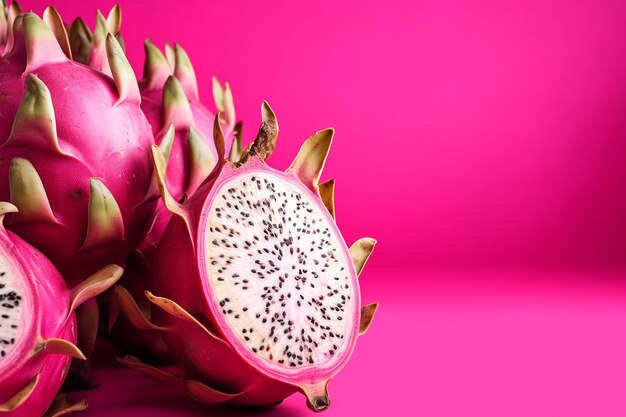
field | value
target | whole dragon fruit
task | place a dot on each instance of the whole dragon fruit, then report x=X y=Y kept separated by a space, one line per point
x=262 y=291
x=37 y=326
x=74 y=152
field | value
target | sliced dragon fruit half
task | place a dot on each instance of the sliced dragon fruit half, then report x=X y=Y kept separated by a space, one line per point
x=38 y=326
x=262 y=292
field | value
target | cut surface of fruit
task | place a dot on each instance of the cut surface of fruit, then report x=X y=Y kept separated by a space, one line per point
x=278 y=270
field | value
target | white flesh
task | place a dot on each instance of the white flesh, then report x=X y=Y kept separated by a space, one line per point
x=278 y=271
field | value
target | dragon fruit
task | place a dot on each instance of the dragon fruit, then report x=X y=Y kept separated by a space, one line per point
x=266 y=299
x=183 y=127
x=74 y=153
x=37 y=326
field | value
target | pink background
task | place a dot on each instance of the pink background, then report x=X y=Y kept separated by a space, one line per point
x=484 y=145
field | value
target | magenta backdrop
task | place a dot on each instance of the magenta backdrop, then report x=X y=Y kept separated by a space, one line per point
x=471 y=136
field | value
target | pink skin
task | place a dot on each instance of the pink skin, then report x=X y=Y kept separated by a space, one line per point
x=216 y=354
x=100 y=136
x=48 y=298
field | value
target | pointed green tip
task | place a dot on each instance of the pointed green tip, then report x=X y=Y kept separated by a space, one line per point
x=35 y=86
x=183 y=70
x=327 y=193
x=367 y=316
x=176 y=107
x=309 y=162
x=104 y=220
x=202 y=160
x=80 y=38
x=123 y=74
x=218 y=94
x=114 y=20
x=42 y=46
x=27 y=192
x=360 y=252
x=100 y=32
x=54 y=21
x=35 y=114
x=229 y=106
x=218 y=138
x=156 y=70
x=268 y=116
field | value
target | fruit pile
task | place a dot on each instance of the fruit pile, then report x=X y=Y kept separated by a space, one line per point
x=177 y=243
